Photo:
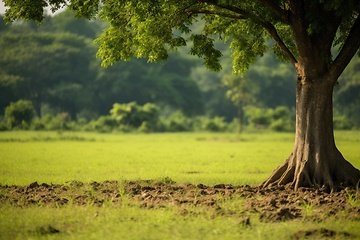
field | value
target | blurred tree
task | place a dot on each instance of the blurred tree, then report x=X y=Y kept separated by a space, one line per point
x=35 y=64
x=3 y=26
x=66 y=22
x=241 y=92
x=347 y=93
x=275 y=81
x=166 y=84
x=19 y=114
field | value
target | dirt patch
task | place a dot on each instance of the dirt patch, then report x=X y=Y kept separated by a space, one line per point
x=321 y=233
x=271 y=204
x=55 y=195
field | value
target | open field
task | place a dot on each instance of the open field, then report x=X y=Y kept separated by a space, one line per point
x=92 y=186
x=187 y=158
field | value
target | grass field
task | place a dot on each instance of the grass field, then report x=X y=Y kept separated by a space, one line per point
x=207 y=158
x=188 y=158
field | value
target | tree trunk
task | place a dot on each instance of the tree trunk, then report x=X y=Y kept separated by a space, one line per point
x=240 y=117
x=315 y=160
x=37 y=107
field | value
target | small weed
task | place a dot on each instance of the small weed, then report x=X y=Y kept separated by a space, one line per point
x=166 y=180
x=308 y=207
x=352 y=198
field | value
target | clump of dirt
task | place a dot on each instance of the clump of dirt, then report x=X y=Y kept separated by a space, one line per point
x=322 y=232
x=46 y=230
x=271 y=204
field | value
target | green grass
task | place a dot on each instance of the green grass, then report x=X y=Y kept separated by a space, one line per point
x=206 y=158
x=132 y=222
x=187 y=158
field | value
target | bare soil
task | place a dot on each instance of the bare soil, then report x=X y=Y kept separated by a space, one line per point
x=269 y=204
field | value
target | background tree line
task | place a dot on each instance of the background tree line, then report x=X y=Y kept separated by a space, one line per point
x=54 y=67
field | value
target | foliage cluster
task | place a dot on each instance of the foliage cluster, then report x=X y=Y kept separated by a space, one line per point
x=19 y=114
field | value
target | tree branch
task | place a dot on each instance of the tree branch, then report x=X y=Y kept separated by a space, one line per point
x=299 y=27
x=272 y=30
x=347 y=52
x=278 y=11
x=200 y=11
x=243 y=14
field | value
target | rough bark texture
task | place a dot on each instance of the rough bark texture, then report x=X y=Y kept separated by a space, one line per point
x=315 y=160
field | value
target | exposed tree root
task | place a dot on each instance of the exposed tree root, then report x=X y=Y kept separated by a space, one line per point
x=331 y=173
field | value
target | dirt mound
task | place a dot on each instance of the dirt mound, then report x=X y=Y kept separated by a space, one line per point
x=271 y=204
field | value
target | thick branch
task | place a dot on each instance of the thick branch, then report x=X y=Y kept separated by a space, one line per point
x=325 y=41
x=351 y=46
x=299 y=27
x=272 y=30
x=243 y=14
x=278 y=11
x=223 y=14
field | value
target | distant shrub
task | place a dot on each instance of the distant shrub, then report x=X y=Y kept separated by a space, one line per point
x=38 y=124
x=281 y=125
x=278 y=119
x=19 y=114
x=131 y=115
x=281 y=112
x=342 y=123
x=216 y=124
x=258 y=117
x=281 y=120
x=59 y=122
x=178 y=122
x=3 y=126
x=102 y=124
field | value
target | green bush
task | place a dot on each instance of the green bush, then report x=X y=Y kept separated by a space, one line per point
x=178 y=122
x=258 y=117
x=19 y=114
x=281 y=120
x=278 y=119
x=342 y=123
x=131 y=115
x=102 y=124
x=38 y=124
x=216 y=124
x=3 y=126
x=281 y=125
x=59 y=122
x=281 y=112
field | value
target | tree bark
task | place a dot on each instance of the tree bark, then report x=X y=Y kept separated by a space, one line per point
x=315 y=160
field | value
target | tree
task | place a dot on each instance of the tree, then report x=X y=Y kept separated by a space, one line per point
x=19 y=114
x=167 y=85
x=241 y=92
x=304 y=33
x=275 y=80
x=66 y=22
x=33 y=65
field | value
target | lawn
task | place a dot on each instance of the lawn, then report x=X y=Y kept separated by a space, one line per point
x=186 y=158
